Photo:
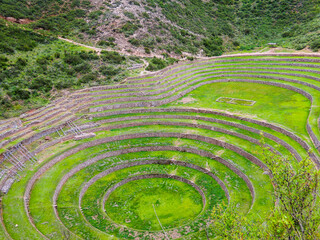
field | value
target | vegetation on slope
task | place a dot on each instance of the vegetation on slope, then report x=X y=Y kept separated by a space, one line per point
x=176 y=26
x=34 y=67
x=36 y=9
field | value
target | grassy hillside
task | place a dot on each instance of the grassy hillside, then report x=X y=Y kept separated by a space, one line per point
x=34 y=67
x=36 y=9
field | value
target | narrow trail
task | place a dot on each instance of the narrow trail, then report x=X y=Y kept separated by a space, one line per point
x=83 y=45
x=98 y=50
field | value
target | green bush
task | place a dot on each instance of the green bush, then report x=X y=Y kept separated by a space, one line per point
x=129 y=14
x=213 y=46
x=72 y=59
x=134 y=42
x=17 y=93
x=315 y=45
x=82 y=67
x=109 y=70
x=156 y=64
x=3 y=62
x=42 y=84
x=112 y=57
x=5 y=48
x=148 y=42
x=145 y=15
x=90 y=77
x=64 y=83
x=129 y=28
x=21 y=62
x=147 y=50
x=106 y=43
x=95 y=14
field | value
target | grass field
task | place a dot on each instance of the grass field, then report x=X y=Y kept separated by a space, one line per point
x=272 y=104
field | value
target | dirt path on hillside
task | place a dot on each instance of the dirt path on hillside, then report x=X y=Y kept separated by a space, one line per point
x=83 y=45
x=98 y=50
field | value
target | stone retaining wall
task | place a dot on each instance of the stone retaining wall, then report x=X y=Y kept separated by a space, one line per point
x=313 y=157
x=148 y=176
x=149 y=162
x=148 y=149
x=184 y=92
x=190 y=117
x=70 y=152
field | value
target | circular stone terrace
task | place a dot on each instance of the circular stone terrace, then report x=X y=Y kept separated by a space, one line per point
x=151 y=157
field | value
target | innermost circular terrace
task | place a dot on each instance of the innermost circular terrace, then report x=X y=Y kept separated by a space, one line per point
x=142 y=201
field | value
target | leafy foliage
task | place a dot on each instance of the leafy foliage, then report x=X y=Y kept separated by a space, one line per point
x=29 y=78
x=13 y=39
x=229 y=224
x=158 y=63
x=296 y=185
x=36 y=9
x=213 y=46
x=296 y=215
x=129 y=28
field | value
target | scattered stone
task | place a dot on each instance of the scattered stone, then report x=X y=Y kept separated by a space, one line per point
x=187 y=100
x=6 y=187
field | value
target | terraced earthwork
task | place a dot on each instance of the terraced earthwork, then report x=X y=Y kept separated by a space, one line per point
x=149 y=158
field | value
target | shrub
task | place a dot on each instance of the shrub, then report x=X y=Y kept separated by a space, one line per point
x=21 y=62
x=129 y=28
x=129 y=14
x=88 y=55
x=42 y=84
x=145 y=15
x=3 y=62
x=95 y=15
x=72 y=59
x=82 y=67
x=109 y=70
x=148 y=42
x=213 y=46
x=134 y=42
x=90 y=77
x=315 y=45
x=18 y=93
x=112 y=57
x=27 y=45
x=156 y=64
x=42 y=61
x=147 y=50
x=63 y=83
x=106 y=43
x=5 y=48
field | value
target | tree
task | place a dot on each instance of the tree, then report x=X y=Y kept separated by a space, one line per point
x=296 y=214
x=228 y=223
x=296 y=187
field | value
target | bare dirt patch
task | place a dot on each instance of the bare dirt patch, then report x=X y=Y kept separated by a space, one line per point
x=187 y=100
